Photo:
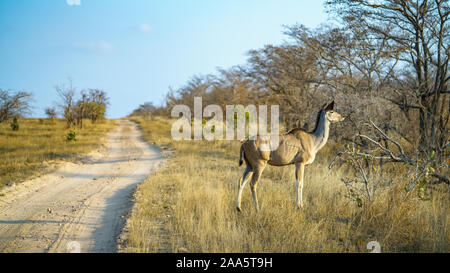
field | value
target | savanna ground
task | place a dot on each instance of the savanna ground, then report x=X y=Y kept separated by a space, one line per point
x=39 y=142
x=82 y=203
x=190 y=206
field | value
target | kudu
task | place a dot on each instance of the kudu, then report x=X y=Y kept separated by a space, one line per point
x=295 y=147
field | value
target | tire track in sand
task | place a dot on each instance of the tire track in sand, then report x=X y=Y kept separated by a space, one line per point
x=85 y=202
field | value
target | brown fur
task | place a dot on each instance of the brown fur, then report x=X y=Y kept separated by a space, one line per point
x=295 y=147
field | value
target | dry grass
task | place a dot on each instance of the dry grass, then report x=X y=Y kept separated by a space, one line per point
x=28 y=151
x=191 y=205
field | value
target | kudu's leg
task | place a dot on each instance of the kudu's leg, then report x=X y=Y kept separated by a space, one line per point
x=242 y=182
x=299 y=171
x=255 y=179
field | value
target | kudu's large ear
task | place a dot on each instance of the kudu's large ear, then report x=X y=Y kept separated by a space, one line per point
x=330 y=106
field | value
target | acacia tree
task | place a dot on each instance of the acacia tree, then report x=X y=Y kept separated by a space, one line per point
x=97 y=103
x=99 y=96
x=418 y=38
x=92 y=104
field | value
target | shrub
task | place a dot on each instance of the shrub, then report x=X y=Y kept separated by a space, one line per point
x=71 y=136
x=15 y=125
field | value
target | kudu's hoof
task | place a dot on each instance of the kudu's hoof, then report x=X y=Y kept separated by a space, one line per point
x=238 y=209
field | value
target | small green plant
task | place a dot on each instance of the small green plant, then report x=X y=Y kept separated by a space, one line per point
x=15 y=125
x=71 y=136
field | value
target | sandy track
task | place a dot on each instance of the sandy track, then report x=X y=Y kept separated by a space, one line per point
x=82 y=204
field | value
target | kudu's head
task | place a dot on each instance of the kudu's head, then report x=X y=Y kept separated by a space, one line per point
x=331 y=115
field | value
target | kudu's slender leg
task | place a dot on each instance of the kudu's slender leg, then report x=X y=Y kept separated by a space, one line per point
x=299 y=171
x=248 y=171
x=257 y=171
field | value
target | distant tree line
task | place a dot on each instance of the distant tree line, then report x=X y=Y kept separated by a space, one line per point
x=147 y=109
x=383 y=61
x=91 y=104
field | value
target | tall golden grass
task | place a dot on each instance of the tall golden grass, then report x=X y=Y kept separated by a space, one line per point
x=26 y=152
x=190 y=206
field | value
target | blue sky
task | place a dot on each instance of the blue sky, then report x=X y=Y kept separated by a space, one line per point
x=134 y=49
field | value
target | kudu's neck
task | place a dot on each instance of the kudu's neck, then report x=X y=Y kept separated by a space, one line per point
x=320 y=134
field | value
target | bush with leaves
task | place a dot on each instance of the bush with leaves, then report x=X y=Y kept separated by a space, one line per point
x=15 y=125
x=71 y=136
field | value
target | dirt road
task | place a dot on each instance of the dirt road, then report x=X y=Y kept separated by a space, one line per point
x=78 y=207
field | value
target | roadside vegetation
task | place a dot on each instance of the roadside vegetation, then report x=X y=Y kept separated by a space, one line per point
x=190 y=206
x=39 y=142
x=29 y=145
x=384 y=174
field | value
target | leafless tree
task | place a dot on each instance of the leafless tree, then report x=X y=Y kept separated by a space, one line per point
x=67 y=102
x=14 y=104
x=98 y=96
x=286 y=75
x=197 y=86
x=81 y=109
x=417 y=36
x=231 y=87
x=363 y=161
x=350 y=67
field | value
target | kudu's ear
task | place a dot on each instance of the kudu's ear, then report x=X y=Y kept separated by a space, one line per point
x=330 y=106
